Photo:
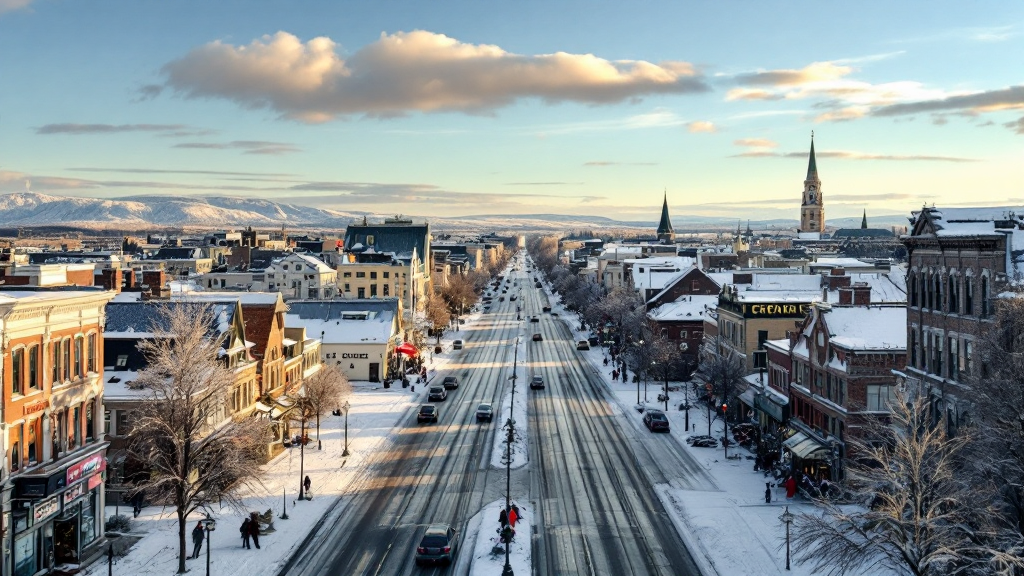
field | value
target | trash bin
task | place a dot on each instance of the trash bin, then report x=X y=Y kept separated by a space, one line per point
x=405 y=383
x=387 y=383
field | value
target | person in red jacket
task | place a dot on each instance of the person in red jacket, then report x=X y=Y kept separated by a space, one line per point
x=790 y=485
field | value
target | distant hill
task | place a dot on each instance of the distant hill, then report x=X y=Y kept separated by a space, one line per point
x=34 y=210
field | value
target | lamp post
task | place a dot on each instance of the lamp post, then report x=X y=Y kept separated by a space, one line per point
x=511 y=424
x=640 y=347
x=787 y=517
x=344 y=408
x=209 y=524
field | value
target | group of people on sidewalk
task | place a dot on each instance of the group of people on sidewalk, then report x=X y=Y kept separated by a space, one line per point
x=809 y=486
x=250 y=530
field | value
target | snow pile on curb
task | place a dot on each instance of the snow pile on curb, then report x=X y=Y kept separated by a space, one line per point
x=487 y=563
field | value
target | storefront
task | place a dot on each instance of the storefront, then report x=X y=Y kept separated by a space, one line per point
x=811 y=456
x=56 y=514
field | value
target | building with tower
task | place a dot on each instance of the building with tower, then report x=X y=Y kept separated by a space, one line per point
x=812 y=209
x=665 y=232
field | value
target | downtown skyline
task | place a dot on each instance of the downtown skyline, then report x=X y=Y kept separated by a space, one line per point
x=569 y=107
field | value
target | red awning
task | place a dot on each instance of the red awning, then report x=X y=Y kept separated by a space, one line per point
x=407 y=349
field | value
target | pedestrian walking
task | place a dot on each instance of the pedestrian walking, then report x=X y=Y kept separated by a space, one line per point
x=503 y=517
x=197 y=540
x=137 y=500
x=245 y=534
x=767 y=492
x=254 y=529
x=790 y=485
x=305 y=484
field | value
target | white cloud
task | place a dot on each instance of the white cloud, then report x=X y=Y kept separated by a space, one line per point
x=756 y=143
x=411 y=71
x=701 y=126
x=9 y=5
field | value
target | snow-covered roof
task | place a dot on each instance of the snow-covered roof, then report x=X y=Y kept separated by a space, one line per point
x=116 y=385
x=686 y=308
x=341 y=331
x=868 y=328
x=886 y=287
x=250 y=298
x=841 y=263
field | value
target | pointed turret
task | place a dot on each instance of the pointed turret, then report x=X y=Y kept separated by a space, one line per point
x=812 y=166
x=665 y=231
x=864 y=221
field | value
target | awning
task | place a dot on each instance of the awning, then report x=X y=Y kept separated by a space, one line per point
x=806 y=448
x=407 y=349
x=748 y=397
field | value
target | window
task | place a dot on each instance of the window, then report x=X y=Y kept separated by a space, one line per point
x=33 y=367
x=373 y=290
x=17 y=370
x=55 y=346
x=360 y=274
x=75 y=435
x=123 y=423
x=285 y=267
x=348 y=288
x=387 y=274
x=912 y=346
x=968 y=295
x=968 y=356
x=31 y=442
x=346 y=275
x=16 y=447
x=65 y=366
x=954 y=360
x=106 y=421
x=937 y=354
x=90 y=353
x=878 y=398
x=79 y=355
x=361 y=293
x=930 y=293
x=386 y=289
x=954 y=295
x=913 y=289
x=89 y=434
x=122 y=360
x=59 y=433
x=373 y=275
x=984 y=296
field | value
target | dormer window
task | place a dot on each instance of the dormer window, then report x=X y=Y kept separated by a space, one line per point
x=122 y=360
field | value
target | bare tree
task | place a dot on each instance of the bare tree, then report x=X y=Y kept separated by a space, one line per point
x=723 y=375
x=195 y=453
x=924 y=513
x=324 y=391
x=437 y=315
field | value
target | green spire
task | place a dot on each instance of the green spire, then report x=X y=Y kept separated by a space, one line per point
x=665 y=225
x=812 y=166
x=864 y=221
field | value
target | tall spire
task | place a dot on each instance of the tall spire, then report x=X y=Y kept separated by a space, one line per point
x=665 y=231
x=864 y=221
x=812 y=166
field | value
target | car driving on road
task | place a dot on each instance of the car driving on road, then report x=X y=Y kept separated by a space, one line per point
x=437 y=546
x=484 y=412
x=656 y=421
x=457 y=345
x=437 y=394
x=450 y=382
x=583 y=345
x=427 y=413
x=537 y=383
x=537 y=337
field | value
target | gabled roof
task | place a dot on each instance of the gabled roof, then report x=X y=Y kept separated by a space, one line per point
x=687 y=308
x=137 y=320
x=867 y=328
x=401 y=239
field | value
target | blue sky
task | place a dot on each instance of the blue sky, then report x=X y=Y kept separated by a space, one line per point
x=453 y=108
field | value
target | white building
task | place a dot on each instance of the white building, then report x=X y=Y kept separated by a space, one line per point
x=300 y=276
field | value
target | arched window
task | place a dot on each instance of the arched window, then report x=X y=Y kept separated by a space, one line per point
x=954 y=294
x=929 y=292
x=938 y=291
x=968 y=295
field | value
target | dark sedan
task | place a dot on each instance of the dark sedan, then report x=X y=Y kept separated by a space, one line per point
x=656 y=421
x=437 y=545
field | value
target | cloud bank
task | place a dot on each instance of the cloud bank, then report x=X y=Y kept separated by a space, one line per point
x=407 y=72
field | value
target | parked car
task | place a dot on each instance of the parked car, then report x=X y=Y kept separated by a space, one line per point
x=450 y=382
x=583 y=345
x=437 y=546
x=594 y=340
x=537 y=337
x=536 y=285
x=537 y=383
x=534 y=319
x=656 y=421
x=484 y=412
x=501 y=299
x=457 y=345
x=427 y=413
x=546 y=309
x=437 y=394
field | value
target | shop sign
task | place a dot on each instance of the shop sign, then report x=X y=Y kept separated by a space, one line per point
x=46 y=508
x=355 y=356
x=764 y=404
x=95 y=480
x=74 y=492
x=775 y=310
x=86 y=467
x=35 y=407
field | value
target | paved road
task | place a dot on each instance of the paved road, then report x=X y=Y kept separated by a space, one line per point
x=589 y=478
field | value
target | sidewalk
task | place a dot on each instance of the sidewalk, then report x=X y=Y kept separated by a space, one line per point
x=374 y=413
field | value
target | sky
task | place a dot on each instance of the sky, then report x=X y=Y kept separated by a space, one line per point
x=451 y=107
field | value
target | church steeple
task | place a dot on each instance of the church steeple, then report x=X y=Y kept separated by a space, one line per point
x=665 y=231
x=864 y=221
x=812 y=209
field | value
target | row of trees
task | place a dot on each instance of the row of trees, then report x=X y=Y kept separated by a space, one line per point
x=460 y=293
x=192 y=459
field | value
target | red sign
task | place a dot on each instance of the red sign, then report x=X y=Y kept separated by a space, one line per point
x=36 y=407
x=93 y=463
x=95 y=480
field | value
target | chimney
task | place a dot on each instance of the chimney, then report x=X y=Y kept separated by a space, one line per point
x=155 y=279
x=837 y=279
x=110 y=279
x=861 y=294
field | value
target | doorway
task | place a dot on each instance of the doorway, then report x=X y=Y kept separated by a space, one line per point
x=374 y=372
x=65 y=540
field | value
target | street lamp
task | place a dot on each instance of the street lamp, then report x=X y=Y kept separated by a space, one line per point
x=640 y=347
x=787 y=517
x=511 y=425
x=209 y=524
x=344 y=408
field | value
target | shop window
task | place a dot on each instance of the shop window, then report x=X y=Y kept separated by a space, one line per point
x=33 y=367
x=17 y=370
